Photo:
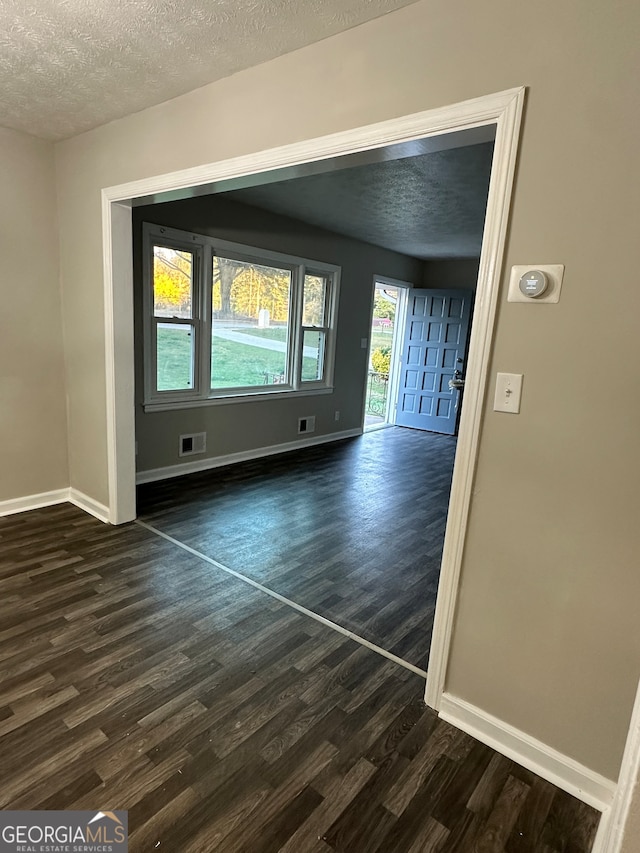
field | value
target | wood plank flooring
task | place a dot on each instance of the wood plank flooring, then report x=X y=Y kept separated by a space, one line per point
x=352 y=530
x=135 y=676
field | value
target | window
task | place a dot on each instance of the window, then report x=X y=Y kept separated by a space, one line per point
x=224 y=321
x=174 y=321
x=250 y=319
x=315 y=312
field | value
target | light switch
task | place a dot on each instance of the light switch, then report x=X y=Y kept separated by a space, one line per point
x=508 y=392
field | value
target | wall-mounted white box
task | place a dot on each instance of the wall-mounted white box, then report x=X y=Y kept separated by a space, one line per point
x=554 y=274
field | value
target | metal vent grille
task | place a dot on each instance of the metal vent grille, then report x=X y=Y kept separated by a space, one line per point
x=193 y=443
x=307 y=424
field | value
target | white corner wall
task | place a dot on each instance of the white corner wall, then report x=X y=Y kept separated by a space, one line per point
x=33 y=439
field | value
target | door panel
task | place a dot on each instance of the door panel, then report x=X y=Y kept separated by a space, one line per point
x=434 y=347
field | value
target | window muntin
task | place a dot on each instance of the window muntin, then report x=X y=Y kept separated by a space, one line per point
x=225 y=321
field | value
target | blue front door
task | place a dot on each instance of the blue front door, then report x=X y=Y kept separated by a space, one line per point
x=434 y=346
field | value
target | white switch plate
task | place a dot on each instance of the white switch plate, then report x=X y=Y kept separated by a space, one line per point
x=508 y=392
x=554 y=273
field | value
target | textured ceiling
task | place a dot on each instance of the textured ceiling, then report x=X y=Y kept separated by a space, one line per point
x=70 y=65
x=429 y=206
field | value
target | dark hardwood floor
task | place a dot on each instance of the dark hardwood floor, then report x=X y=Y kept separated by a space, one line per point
x=135 y=676
x=353 y=530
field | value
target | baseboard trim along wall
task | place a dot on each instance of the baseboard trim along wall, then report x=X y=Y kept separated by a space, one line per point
x=559 y=769
x=98 y=510
x=154 y=474
x=58 y=496
x=101 y=512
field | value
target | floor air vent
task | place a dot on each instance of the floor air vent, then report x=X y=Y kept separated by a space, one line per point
x=194 y=443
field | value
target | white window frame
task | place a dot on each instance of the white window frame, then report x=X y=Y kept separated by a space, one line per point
x=325 y=328
x=204 y=248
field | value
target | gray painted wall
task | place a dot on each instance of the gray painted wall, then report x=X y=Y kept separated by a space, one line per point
x=459 y=274
x=249 y=425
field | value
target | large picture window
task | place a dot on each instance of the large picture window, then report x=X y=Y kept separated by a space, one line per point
x=224 y=321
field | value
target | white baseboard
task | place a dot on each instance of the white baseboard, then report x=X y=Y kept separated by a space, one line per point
x=559 y=769
x=154 y=474
x=58 y=496
x=101 y=512
x=84 y=502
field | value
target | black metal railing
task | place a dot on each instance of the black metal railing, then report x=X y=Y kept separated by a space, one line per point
x=377 y=387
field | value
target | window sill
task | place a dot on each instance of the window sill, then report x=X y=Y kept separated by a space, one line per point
x=249 y=397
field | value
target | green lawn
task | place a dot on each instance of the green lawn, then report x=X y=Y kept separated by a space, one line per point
x=279 y=333
x=237 y=365
x=381 y=339
x=273 y=333
x=174 y=359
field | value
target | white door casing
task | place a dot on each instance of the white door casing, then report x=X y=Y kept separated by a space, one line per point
x=504 y=110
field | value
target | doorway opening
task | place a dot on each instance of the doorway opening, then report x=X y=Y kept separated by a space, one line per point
x=387 y=325
x=433 y=359
x=418 y=354
x=502 y=112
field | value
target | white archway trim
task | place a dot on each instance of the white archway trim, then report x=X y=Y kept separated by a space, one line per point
x=504 y=109
x=119 y=358
x=489 y=276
